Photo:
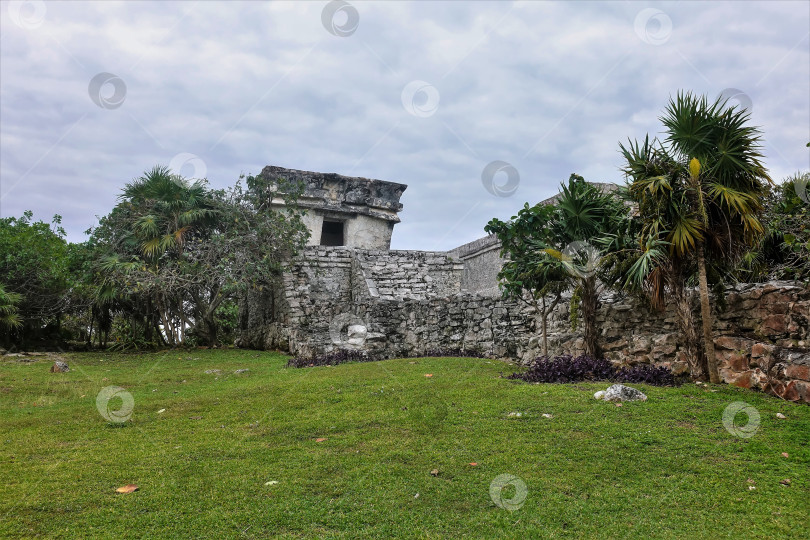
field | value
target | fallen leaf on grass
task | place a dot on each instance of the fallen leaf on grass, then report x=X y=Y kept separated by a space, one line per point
x=618 y=404
x=271 y=483
x=751 y=488
x=129 y=488
x=434 y=472
x=546 y=415
x=161 y=411
x=320 y=439
x=785 y=482
x=780 y=416
x=785 y=454
x=195 y=417
x=473 y=464
x=428 y=374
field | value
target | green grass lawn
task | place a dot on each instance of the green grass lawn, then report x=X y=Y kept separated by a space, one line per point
x=664 y=468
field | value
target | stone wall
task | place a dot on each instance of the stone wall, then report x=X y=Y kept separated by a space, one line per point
x=415 y=275
x=408 y=303
x=762 y=336
x=482 y=262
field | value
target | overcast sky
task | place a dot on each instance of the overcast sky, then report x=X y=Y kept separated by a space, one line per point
x=424 y=93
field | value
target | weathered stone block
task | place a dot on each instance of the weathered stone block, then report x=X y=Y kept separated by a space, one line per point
x=761 y=349
x=773 y=324
x=798 y=371
x=733 y=343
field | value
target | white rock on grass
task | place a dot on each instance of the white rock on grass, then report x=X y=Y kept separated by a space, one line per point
x=620 y=392
x=59 y=367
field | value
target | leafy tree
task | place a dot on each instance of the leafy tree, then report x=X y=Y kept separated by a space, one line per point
x=784 y=250
x=699 y=194
x=9 y=316
x=34 y=266
x=573 y=244
x=528 y=271
x=178 y=251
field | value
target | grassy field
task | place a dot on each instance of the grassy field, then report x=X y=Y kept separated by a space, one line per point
x=348 y=452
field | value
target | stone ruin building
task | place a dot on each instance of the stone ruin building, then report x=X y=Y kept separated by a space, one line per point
x=349 y=290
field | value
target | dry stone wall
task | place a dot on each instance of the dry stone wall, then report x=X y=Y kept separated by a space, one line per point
x=409 y=303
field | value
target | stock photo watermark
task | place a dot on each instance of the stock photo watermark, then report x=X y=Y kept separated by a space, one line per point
x=107 y=90
x=736 y=98
x=500 y=169
x=184 y=160
x=340 y=18
x=653 y=26
x=744 y=431
x=581 y=259
x=348 y=330
x=801 y=186
x=28 y=15
x=109 y=406
x=508 y=491
x=420 y=99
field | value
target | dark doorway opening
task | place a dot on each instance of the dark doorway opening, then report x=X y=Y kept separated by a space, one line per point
x=332 y=233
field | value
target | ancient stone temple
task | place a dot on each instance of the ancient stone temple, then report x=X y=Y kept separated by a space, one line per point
x=345 y=211
x=348 y=290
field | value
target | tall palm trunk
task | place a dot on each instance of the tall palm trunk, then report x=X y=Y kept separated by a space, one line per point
x=705 y=306
x=544 y=318
x=588 y=305
x=706 y=316
x=686 y=324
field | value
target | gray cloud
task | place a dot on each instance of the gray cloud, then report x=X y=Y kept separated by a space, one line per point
x=549 y=87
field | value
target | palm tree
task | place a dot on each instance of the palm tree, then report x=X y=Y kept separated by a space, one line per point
x=9 y=317
x=159 y=219
x=570 y=245
x=169 y=209
x=699 y=193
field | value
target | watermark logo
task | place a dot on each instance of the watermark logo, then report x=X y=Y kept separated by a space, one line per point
x=499 y=491
x=581 y=259
x=27 y=15
x=653 y=26
x=185 y=160
x=108 y=398
x=340 y=18
x=108 y=91
x=747 y=430
x=500 y=189
x=348 y=330
x=420 y=99
x=736 y=98
x=800 y=186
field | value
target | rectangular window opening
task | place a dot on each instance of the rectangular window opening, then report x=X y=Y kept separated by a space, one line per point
x=332 y=233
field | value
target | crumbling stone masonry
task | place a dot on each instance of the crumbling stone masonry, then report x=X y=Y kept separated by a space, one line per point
x=408 y=303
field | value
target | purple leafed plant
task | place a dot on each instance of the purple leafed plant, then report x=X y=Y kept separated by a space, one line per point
x=452 y=353
x=568 y=369
x=331 y=359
